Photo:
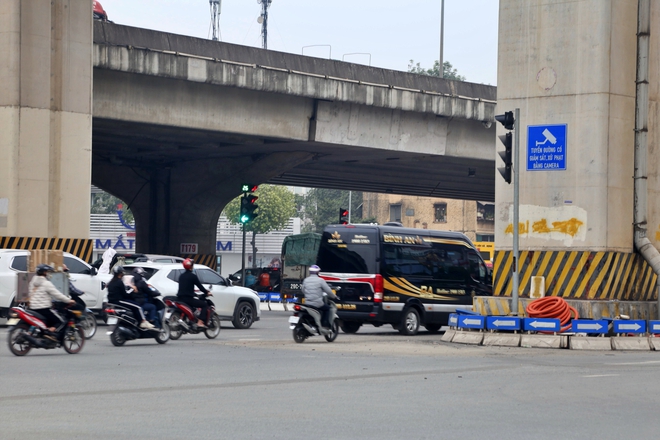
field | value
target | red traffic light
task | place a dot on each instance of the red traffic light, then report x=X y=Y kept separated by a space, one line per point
x=343 y=216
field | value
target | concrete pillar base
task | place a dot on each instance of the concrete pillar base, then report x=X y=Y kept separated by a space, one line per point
x=630 y=343
x=585 y=343
x=472 y=338
x=541 y=341
x=501 y=339
x=448 y=336
x=654 y=343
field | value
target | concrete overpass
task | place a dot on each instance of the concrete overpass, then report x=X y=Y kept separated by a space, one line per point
x=179 y=123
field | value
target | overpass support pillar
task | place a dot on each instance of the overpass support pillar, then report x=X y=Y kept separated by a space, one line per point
x=570 y=67
x=181 y=203
x=45 y=122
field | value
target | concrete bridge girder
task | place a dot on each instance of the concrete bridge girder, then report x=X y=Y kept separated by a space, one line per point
x=146 y=61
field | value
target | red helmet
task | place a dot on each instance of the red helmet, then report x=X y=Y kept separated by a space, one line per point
x=188 y=264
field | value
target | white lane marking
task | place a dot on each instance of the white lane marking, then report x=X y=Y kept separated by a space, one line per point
x=601 y=375
x=636 y=363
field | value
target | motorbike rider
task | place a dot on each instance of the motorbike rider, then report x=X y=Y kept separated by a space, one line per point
x=118 y=294
x=315 y=289
x=42 y=294
x=142 y=296
x=186 y=294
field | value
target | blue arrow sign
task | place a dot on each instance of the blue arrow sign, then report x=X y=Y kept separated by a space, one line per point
x=453 y=320
x=502 y=323
x=471 y=321
x=541 y=324
x=589 y=326
x=629 y=326
x=654 y=327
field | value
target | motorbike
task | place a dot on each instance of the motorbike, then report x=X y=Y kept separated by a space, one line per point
x=127 y=328
x=87 y=320
x=183 y=319
x=28 y=330
x=303 y=323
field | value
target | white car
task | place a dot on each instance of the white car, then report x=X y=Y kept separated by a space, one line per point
x=82 y=275
x=239 y=305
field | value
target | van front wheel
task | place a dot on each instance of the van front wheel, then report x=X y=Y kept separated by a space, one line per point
x=409 y=322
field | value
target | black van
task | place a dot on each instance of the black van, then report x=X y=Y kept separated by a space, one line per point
x=400 y=276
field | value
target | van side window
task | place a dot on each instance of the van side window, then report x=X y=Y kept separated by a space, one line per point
x=477 y=267
x=452 y=263
x=408 y=260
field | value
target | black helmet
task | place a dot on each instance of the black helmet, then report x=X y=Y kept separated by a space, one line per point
x=138 y=271
x=118 y=269
x=43 y=268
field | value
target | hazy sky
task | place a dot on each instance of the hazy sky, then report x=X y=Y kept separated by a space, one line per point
x=393 y=32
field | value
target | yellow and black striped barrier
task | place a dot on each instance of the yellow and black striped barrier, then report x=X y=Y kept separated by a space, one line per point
x=209 y=260
x=80 y=247
x=578 y=275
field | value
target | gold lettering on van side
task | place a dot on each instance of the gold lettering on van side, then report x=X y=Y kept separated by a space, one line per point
x=427 y=290
x=401 y=239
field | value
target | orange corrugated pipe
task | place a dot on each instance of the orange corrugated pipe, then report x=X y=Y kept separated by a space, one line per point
x=553 y=307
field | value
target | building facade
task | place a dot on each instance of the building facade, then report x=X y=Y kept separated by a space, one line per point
x=474 y=219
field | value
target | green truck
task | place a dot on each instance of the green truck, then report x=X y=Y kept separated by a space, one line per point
x=299 y=251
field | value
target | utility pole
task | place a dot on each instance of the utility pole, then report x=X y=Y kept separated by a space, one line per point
x=442 y=38
x=263 y=20
x=215 y=18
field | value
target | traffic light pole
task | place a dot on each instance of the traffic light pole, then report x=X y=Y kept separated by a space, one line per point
x=243 y=258
x=516 y=209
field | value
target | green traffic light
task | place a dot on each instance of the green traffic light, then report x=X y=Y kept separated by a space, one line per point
x=245 y=218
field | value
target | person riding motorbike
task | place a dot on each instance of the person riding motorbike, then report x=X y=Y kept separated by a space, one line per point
x=117 y=294
x=142 y=296
x=42 y=294
x=186 y=294
x=315 y=291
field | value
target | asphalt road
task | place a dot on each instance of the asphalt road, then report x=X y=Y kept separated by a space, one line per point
x=376 y=384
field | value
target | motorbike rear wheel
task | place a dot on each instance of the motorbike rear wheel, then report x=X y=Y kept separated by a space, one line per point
x=117 y=338
x=300 y=334
x=334 y=331
x=165 y=335
x=176 y=329
x=18 y=348
x=88 y=324
x=73 y=340
x=213 y=330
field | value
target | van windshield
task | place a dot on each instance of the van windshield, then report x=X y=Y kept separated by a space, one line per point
x=349 y=252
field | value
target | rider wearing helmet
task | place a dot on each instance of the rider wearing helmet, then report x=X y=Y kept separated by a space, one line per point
x=186 y=294
x=314 y=288
x=118 y=293
x=142 y=296
x=42 y=294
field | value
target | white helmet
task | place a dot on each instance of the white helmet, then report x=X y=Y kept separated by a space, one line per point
x=314 y=269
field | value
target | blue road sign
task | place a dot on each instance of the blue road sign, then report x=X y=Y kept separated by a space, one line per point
x=471 y=321
x=629 y=326
x=654 y=327
x=502 y=323
x=453 y=320
x=546 y=147
x=541 y=324
x=589 y=326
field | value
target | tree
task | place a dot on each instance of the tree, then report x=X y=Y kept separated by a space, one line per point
x=321 y=208
x=104 y=203
x=448 y=70
x=276 y=207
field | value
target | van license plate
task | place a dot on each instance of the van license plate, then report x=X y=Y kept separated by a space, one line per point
x=13 y=321
x=112 y=320
x=294 y=320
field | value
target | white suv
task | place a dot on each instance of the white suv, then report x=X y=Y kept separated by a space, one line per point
x=239 y=305
x=82 y=275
